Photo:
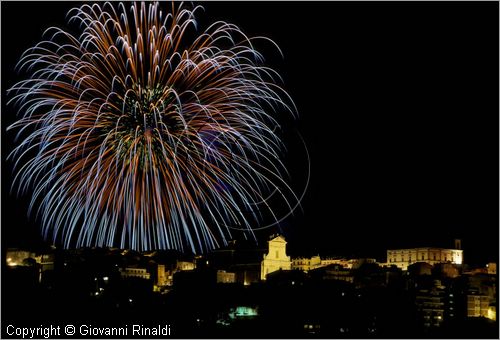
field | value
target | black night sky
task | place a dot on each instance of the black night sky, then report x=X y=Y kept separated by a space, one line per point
x=398 y=106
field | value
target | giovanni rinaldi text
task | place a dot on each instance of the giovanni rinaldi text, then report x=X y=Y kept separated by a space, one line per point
x=50 y=331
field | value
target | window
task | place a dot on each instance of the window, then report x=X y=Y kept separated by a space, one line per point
x=277 y=253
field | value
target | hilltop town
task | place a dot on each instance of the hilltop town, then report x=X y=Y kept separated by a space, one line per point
x=425 y=291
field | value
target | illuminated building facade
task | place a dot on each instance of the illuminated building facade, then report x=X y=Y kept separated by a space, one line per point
x=491 y=268
x=306 y=264
x=402 y=258
x=225 y=277
x=185 y=265
x=16 y=257
x=330 y=260
x=482 y=296
x=478 y=306
x=162 y=278
x=165 y=273
x=141 y=273
x=276 y=257
x=346 y=263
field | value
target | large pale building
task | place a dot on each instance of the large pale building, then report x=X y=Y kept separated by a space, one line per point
x=276 y=257
x=402 y=258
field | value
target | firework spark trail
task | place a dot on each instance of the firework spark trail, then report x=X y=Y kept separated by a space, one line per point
x=143 y=133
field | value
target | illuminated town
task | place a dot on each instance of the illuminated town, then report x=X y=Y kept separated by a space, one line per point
x=422 y=291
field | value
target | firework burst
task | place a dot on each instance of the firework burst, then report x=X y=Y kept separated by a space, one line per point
x=143 y=133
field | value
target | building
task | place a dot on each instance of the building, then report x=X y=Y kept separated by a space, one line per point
x=482 y=296
x=333 y=272
x=43 y=260
x=431 y=301
x=347 y=263
x=165 y=273
x=306 y=264
x=447 y=270
x=478 y=305
x=276 y=257
x=184 y=265
x=402 y=258
x=247 y=274
x=491 y=268
x=338 y=272
x=419 y=269
x=162 y=277
x=141 y=273
x=330 y=260
x=225 y=277
x=240 y=257
x=16 y=257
